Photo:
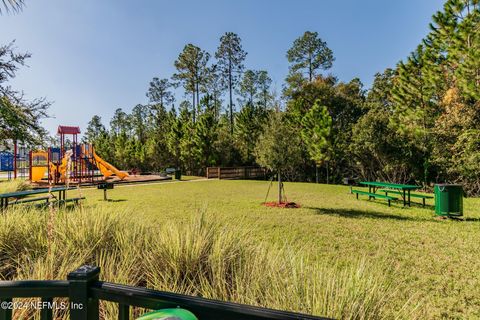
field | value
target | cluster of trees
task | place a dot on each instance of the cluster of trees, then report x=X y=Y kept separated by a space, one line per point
x=201 y=131
x=421 y=119
x=19 y=117
x=205 y=131
x=418 y=122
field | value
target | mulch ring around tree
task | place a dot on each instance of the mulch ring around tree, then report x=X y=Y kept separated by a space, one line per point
x=275 y=204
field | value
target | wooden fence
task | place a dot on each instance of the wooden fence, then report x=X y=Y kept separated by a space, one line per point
x=236 y=173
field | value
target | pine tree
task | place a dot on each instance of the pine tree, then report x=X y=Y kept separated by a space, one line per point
x=308 y=54
x=159 y=92
x=415 y=111
x=248 y=86
x=94 y=130
x=264 y=96
x=175 y=135
x=192 y=70
x=316 y=131
x=120 y=122
x=213 y=86
x=230 y=56
x=248 y=127
x=204 y=139
x=139 y=122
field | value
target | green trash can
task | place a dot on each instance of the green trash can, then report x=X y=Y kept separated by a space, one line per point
x=169 y=314
x=178 y=174
x=448 y=200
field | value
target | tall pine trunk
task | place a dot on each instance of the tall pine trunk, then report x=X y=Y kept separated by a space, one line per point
x=231 y=98
x=198 y=94
x=194 y=110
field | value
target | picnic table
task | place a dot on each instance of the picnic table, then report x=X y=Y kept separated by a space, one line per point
x=404 y=189
x=62 y=196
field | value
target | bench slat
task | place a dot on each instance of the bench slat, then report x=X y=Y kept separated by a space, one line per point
x=18 y=194
x=70 y=200
x=30 y=200
x=412 y=195
x=375 y=195
x=60 y=202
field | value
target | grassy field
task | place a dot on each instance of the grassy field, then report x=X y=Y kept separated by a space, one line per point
x=335 y=256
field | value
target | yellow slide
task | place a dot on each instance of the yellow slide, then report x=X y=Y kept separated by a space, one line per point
x=62 y=168
x=53 y=170
x=107 y=169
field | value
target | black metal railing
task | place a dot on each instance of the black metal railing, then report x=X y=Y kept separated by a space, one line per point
x=84 y=292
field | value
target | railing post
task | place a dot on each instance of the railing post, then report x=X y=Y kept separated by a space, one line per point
x=123 y=312
x=46 y=313
x=5 y=310
x=83 y=307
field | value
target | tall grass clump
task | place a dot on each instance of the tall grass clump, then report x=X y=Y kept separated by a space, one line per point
x=14 y=185
x=199 y=256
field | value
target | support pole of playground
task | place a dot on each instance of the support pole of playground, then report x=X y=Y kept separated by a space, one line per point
x=279 y=187
x=15 y=159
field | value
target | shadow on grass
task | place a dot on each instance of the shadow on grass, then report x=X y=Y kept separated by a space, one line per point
x=461 y=219
x=114 y=200
x=420 y=205
x=352 y=213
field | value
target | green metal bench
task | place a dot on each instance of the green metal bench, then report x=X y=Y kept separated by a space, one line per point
x=74 y=200
x=373 y=186
x=28 y=200
x=61 y=202
x=23 y=195
x=374 y=195
x=412 y=195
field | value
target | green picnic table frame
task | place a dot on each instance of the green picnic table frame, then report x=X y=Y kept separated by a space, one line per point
x=4 y=197
x=404 y=188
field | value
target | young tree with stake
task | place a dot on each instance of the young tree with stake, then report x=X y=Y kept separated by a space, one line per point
x=279 y=148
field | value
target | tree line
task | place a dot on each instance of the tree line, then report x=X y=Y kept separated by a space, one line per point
x=418 y=123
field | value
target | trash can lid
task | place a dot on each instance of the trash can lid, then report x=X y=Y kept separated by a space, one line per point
x=448 y=185
x=169 y=314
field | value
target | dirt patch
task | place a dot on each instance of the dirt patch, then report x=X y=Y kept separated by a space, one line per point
x=289 y=205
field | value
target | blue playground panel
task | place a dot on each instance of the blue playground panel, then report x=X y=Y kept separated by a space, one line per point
x=6 y=161
x=78 y=151
x=55 y=155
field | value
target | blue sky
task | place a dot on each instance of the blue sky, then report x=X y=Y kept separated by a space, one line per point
x=91 y=57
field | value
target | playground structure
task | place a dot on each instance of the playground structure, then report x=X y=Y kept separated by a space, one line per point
x=72 y=162
x=15 y=164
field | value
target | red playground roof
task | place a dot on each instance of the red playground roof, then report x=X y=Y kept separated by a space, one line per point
x=68 y=130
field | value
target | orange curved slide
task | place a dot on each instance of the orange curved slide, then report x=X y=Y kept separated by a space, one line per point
x=107 y=169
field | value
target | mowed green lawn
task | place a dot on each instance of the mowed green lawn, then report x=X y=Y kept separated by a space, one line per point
x=434 y=264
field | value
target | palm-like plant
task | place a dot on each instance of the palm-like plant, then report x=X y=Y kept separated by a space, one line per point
x=11 y=6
